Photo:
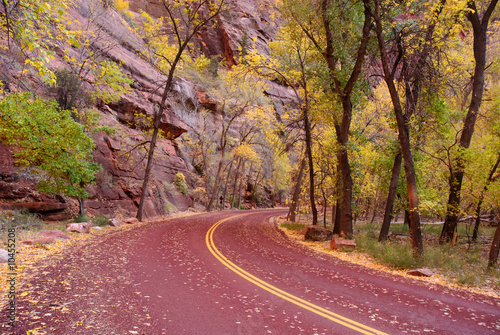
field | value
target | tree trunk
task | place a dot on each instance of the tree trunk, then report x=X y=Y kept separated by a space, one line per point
x=407 y=219
x=344 y=94
x=345 y=168
x=236 y=177
x=404 y=140
x=156 y=127
x=307 y=128
x=338 y=207
x=334 y=209
x=391 y=197
x=214 y=191
x=481 y=198
x=480 y=29
x=81 y=206
x=239 y=185
x=224 y=193
x=296 y=192
x=495 y=248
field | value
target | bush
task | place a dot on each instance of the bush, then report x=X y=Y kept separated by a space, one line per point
x=100 y=220
x=170 y=208
x=293 y=226
x=19 y=219
x=180 y=182
x=81 y=218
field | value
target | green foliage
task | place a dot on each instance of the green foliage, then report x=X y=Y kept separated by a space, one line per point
x=49 y=139
x=170 y=208
x=110 y=82
x=81 y=218
x=35 y=26
x=293 y=226
x=180 y=182
x=463 y=264
x=100 y=220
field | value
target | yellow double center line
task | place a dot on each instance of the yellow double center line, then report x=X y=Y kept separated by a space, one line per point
x=209 y=239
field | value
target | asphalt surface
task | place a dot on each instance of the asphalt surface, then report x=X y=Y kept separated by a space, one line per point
x=242 y=275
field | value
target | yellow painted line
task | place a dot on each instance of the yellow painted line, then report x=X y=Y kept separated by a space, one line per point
x=280 y=293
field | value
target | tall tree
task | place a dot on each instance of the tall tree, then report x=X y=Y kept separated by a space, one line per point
x=479 y=22
x=403 y=131
x=342 y=42
x=185 y=19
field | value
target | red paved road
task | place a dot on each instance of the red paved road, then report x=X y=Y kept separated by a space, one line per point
x=161 y=278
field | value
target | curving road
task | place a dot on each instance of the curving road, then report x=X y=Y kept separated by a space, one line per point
x=232 y=273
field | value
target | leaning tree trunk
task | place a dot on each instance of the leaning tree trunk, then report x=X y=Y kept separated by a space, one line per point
x=404 y=139
x=495 y=248
x=480 y=29
x=481 y=198
x=391 y=197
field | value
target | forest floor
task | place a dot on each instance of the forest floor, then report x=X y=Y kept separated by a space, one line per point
x=29 y=256
x=462 y=266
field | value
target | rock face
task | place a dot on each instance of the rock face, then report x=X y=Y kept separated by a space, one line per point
x=342 y=244
x=315 y=233
x=118 y=186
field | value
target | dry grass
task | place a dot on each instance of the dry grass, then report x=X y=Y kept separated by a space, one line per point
x=460 y=266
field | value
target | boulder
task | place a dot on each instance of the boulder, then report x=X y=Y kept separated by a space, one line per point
x=342 y=244
x=82 y=227
x=54 y=234
x=4 y=256
x=131 y=221
x=39 y=241
x=423 y=272
x=315 y=233
x=114 y=223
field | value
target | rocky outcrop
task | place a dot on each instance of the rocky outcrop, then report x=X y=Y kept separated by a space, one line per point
x=315 y=233
x=342 y=244
x=118 y=186
x=423 y=272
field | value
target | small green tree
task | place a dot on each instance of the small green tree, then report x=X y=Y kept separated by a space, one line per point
x=48 y=139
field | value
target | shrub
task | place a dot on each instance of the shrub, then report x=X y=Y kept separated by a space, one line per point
x=19 y=219
x=180 y=182
x=170 y=208
x=100 y=220
x=81 y=218
x=293 y=226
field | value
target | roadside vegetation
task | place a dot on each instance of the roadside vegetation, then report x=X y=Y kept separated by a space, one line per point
x=464 y=264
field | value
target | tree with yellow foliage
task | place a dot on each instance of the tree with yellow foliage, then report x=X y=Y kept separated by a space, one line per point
x=183 y=21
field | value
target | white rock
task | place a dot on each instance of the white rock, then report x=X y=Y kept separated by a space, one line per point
x=4 y=256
